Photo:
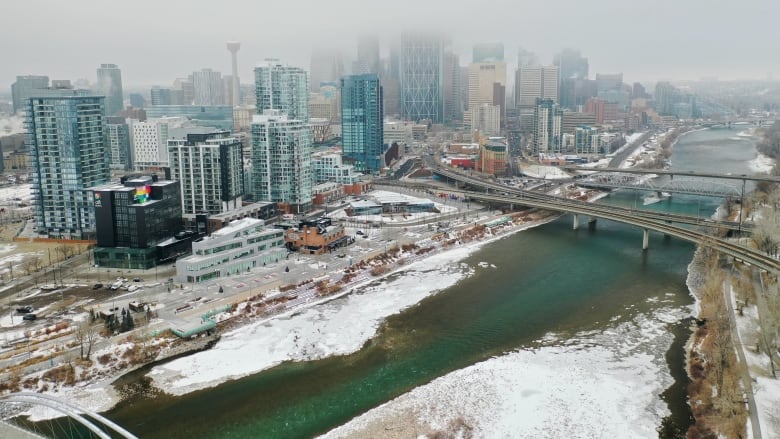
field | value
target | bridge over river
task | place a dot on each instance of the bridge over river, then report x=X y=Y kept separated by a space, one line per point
x=77 y=422
x=687 y=182
x=646 y=220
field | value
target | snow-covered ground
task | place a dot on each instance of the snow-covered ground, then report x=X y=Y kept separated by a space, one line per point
x=546 y=172
x=338 y=327
x=19 y=192
x=443 y=208
x=11 y=125
x=598 y=384
x=766 y=390
x=762 y=164
x=10 y=259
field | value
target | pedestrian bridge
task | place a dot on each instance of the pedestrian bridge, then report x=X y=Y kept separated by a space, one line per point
x=689 y=186
x=74 y=421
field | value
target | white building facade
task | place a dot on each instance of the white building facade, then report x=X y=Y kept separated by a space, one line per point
x=329 y=167
x=149 y=144
x=237 y=248
x=282 y=161
x=486 y=119
x=209 y=168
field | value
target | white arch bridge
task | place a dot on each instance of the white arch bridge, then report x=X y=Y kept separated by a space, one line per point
x=75 y=422
x=690 y=186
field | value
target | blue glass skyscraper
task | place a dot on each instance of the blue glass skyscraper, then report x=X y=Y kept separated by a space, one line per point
x=66 y=132
x=422 y=77
x=361 y=121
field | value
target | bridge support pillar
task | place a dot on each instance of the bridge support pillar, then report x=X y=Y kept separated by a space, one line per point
x=576 y=221
x=592 y=220
x=645 y=239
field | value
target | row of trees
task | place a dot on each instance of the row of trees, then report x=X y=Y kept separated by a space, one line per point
x=33 y=262
x=766 y=237
x=769 y=145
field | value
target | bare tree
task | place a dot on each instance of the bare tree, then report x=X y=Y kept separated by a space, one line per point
x=86 y=335
x=769 y=322
x=62 y=249
x=766 y=235
x=28 y=264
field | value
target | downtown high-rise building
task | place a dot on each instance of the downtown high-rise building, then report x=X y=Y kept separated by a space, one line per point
x=486 y=119
x=367 y=56
x=362 y=122
x=24 y=87
x=548 y=136
x=208 y=87
x=209 y=168
x=327 y=65
x=149 y=144
x=453 y=98
x=187 y=88
x=483 y=78
x=572 y=64
x=282 y=161
x=533 y=83
x=421 y=71
x=283 y=88
x=326 y=104
x=66 y=132
x=167 y=96
x=119 y=144
x=109 y=84
x=575 y=85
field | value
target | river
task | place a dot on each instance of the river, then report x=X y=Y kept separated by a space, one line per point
x=564 y=329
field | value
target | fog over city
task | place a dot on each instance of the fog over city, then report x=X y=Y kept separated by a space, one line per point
x=156 y=41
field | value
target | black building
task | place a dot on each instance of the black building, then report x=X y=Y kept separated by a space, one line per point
x=134 y=219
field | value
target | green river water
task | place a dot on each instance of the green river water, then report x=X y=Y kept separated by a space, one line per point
x=548 y=279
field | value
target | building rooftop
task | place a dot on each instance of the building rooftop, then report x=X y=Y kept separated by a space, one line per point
x=237 y=225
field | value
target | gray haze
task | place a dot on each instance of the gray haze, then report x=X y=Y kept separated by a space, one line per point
x=154 y=42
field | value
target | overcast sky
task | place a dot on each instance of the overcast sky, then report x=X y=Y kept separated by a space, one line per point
x=154 y=42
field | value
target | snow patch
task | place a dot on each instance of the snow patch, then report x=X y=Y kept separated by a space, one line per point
x=599 y=384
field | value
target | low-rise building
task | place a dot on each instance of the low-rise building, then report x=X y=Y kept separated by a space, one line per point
x=325 y=193
x=260 y=210
x=236 y=248
x=388 y=202
x=328 y=166
x=587 y=140
x=493 y=156
x=133 y=218
x=316 y=236
x=321 y=130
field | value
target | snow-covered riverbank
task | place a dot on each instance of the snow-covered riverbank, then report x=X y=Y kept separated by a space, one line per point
x=338 y=327
x=596 y=384
x=335 y=326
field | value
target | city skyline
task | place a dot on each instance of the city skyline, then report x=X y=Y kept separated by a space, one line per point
x=645 y=42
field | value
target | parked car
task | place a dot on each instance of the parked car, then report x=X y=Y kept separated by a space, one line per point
x=97 y=286
x=24 y=309
x=29 y=317
x=137 y=279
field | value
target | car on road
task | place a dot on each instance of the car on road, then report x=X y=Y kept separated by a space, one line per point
x=97 y=286
x=24 y=309
x=137 y=279
x=29 y=317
